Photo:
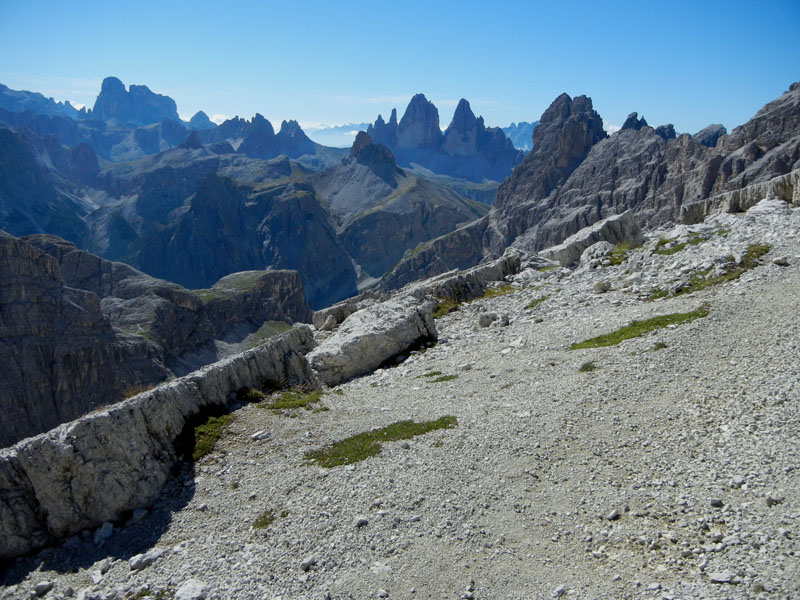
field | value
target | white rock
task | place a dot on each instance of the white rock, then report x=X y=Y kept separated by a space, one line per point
x=191 y=589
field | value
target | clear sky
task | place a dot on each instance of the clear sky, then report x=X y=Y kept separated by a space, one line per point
x=687 y=63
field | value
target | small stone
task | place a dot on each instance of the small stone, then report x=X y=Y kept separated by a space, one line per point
x=602 y=286
x=360 y=522
x=721 y=577
x=487 y=319
x=191 y=589
x=383 y=593
x=558 y=592
x=308 y=563
x=140 y=561
x=405 y=445
x=103 y=533
x=655 y=586
x=97 y=577
x=737 y=481
x=773 y=501
x=43 y=587
x=716 y=503
x=613 y=515
x=138 y=515
x=781 y=261
x=465 y=367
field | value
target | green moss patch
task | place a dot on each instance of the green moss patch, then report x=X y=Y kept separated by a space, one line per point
x=639 y=328
x=293 y=399
x=587 y=367
x=536 y=302
x=619 y=253
x=442 y=378
x=206 y=435
x=364 y=445
x=264 y=520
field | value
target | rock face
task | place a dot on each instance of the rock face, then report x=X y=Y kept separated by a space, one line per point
x=59 y=353
x=86 y=330
x=467 y=149
x=372 y=335
x=137 y=105
x=382 y=211
x=419 y=127
x=79 y=474
x=252 y=228
x=566 y=133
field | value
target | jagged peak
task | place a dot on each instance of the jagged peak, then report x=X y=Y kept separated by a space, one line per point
x=633 y=122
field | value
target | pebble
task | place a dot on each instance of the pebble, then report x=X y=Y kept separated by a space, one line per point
x=359 y=522
x=41 y=588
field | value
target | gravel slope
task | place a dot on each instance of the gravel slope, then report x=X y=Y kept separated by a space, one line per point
x=670 y=473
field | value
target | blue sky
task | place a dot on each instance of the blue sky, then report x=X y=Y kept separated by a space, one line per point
x=688 y=63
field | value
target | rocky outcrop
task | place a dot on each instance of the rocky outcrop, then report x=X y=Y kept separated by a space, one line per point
x=371 y=336
x=784 y=187
x=115 y=460
x=21 y=101
x=709 y=135
x=384 y=133
x=60 y=355
x=566 y=133
x=137 y=105
x=617 y=229
x=259 y=140
x=463 y=286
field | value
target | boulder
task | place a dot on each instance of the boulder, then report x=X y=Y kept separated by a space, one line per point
x=616 y=229
x=371 y=336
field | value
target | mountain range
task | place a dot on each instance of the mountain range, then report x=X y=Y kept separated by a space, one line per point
x=174 y=237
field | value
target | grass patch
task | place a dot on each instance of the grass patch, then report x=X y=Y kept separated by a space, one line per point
x=268 y=330
x=364 y=445
x=442 y=378
x=536 y=302
x=249 y=395
x=638 y=328
x=292 y=399
x=264 y=520
x=431 y=374
x=208 y=434
x=694 y=240
x=587 y=367
x=444 y=306
x=659 y=346
x=619 y=253
x=701 y=280
x=500 y=290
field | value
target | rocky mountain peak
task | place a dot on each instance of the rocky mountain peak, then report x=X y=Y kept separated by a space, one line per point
x=419 y=127
x=461 y=137
x=200 y=120
x=633 y=122
x=138 y=105
x=192 y=141
x=666 y=132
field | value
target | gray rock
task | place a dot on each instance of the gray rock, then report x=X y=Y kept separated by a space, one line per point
x=371 y=336
x=486 y=319
x=602 y=286
x=308 y=563
x=141 y=561
x=103 y=533
x=615 y=229
x=41 y=588
x=721 y=577
x=329 y=324
x=360 y=522
x=191 y=589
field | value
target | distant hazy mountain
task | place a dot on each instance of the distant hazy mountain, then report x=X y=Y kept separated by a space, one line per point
x=521 y=134
x=337 y=136
x=20 y=101
x=467 y=149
